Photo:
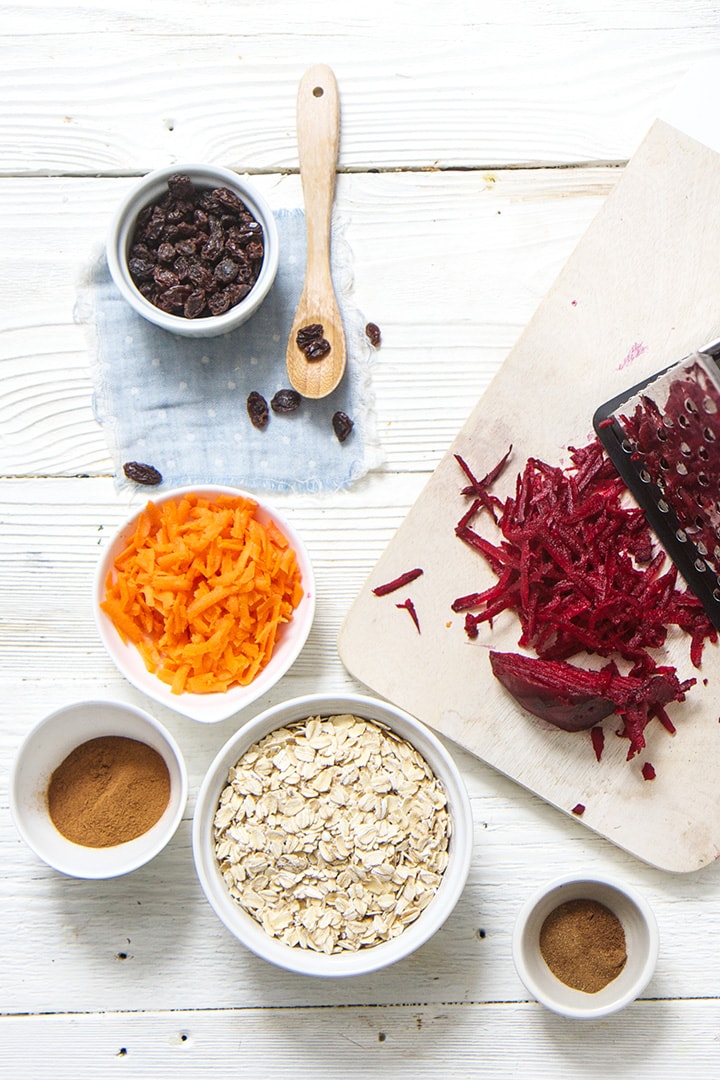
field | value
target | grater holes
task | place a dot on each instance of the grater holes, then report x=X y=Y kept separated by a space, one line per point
x=685 y=450
x=661 y=434
x=703 y=480
x=645 y=476
x=681 y=469
x=663 y=506
x=702 y=453
x=664 y=463
x=700 y=566
x=690 y=405
x=716 y=594
x=683 y=420
x=709 y=406
x=708 y=434
x=627 y=446
x=681 y=536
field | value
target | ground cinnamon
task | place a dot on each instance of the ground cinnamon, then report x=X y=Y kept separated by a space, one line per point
x=583 y=944
x=108 y=790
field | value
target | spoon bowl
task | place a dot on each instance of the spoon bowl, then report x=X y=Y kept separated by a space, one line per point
x=318 y=130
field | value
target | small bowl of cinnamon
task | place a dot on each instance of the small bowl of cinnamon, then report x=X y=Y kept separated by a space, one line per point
x=585 y=946
x=97 y=789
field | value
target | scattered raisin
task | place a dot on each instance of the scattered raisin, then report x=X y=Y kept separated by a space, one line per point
x=142 y=473
x=195 y=253
x=372 y=332
x=285 y=401
x=342 y=425
x=257 y=408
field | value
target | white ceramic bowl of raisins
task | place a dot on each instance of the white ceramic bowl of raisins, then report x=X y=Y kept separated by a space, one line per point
x=193 y=249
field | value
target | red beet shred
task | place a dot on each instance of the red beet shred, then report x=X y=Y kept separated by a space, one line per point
x=583 y=573
x=410 y=607
x=397 y=583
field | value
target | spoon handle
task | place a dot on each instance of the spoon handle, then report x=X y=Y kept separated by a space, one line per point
x=318 y=135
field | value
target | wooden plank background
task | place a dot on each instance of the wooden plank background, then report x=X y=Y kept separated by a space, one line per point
x=479 y=140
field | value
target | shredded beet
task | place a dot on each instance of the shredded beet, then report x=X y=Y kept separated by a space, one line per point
x=410 y=607
x=597 y=736
x=397 y=583
x=574 y=698
x=578 y=809
x=579 y=568
x=648 y=771
x=582 y=571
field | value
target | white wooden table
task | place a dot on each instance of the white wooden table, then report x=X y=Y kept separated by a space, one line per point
x=479 y=139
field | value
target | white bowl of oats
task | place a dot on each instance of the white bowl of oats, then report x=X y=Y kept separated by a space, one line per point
x=333 y=834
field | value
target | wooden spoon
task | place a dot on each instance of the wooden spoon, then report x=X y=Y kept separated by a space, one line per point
x=318 y=134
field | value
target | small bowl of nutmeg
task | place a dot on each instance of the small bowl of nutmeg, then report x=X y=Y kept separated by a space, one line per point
x=98 y=789
x=194 y=249
x=585 y=946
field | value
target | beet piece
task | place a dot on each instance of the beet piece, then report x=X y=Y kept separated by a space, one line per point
x=648 y=771
x=574 y=698
x=579 y=809
x=566 y=696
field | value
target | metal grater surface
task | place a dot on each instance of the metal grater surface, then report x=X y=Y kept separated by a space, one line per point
x=663 y=436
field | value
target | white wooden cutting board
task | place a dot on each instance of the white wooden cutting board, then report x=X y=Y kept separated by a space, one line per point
x=641 y=290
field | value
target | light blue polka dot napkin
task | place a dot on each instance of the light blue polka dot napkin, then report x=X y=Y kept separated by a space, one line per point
x=180 y=404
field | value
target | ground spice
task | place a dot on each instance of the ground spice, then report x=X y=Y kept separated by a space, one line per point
x=583 y=944
x=108 y=790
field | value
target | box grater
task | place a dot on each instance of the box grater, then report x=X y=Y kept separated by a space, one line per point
x=663 y=436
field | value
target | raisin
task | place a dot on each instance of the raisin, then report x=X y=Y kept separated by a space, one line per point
x=257 y=408
x=315 y=350
x=342 y=425
x=308 y=334
x=201 y=277
x=226 y=271
x=173 y=299
x=225 y=198
x=285 y=401
x=165 y=278
x=255 y=250
x=180 y=186
x=141 y=269
x=142 y=473
x=195 y=304
x=372 y=332
x=166 y=252
x=219 y=302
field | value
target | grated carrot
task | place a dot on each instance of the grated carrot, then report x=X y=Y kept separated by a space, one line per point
x=202 y=589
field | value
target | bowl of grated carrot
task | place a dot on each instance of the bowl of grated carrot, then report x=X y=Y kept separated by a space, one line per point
x=204 y=598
